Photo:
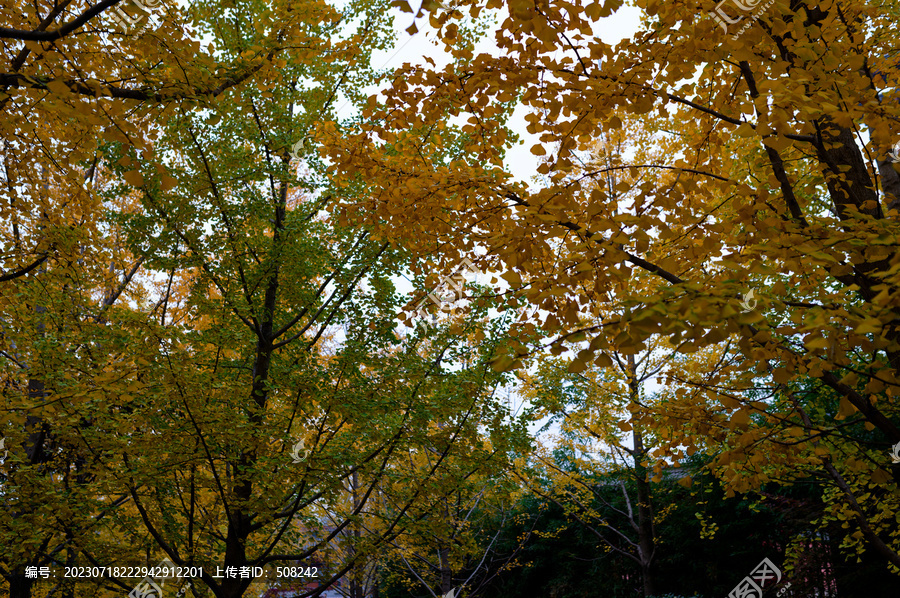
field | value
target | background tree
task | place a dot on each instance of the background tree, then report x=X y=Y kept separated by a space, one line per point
x=457 y=550
x=273 y=324
x=770 y=181
x=597 y=412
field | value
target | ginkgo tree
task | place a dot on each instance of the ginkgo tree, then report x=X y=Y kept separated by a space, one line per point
x=74 y=77
x=58 y=322
x=604 y=423
x=74 y=83
x=455 y=552
x=776 y=177
x=191 y=312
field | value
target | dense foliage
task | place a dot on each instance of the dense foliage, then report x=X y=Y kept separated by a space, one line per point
x=209 y=356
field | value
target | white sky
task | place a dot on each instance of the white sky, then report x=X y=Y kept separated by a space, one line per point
x=520 y=162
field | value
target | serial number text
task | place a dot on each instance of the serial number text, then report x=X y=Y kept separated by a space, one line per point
x=152 y=572
x=296 y=571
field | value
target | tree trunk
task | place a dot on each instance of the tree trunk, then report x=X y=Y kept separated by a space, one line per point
x=446 y=573
x=646 y=535
x=19 y=585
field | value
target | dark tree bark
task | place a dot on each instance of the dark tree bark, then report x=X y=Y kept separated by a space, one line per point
x=646 y=531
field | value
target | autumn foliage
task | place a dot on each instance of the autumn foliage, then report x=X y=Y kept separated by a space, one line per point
x=201 y=257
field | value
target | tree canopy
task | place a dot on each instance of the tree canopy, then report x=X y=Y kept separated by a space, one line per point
x=226 y=338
